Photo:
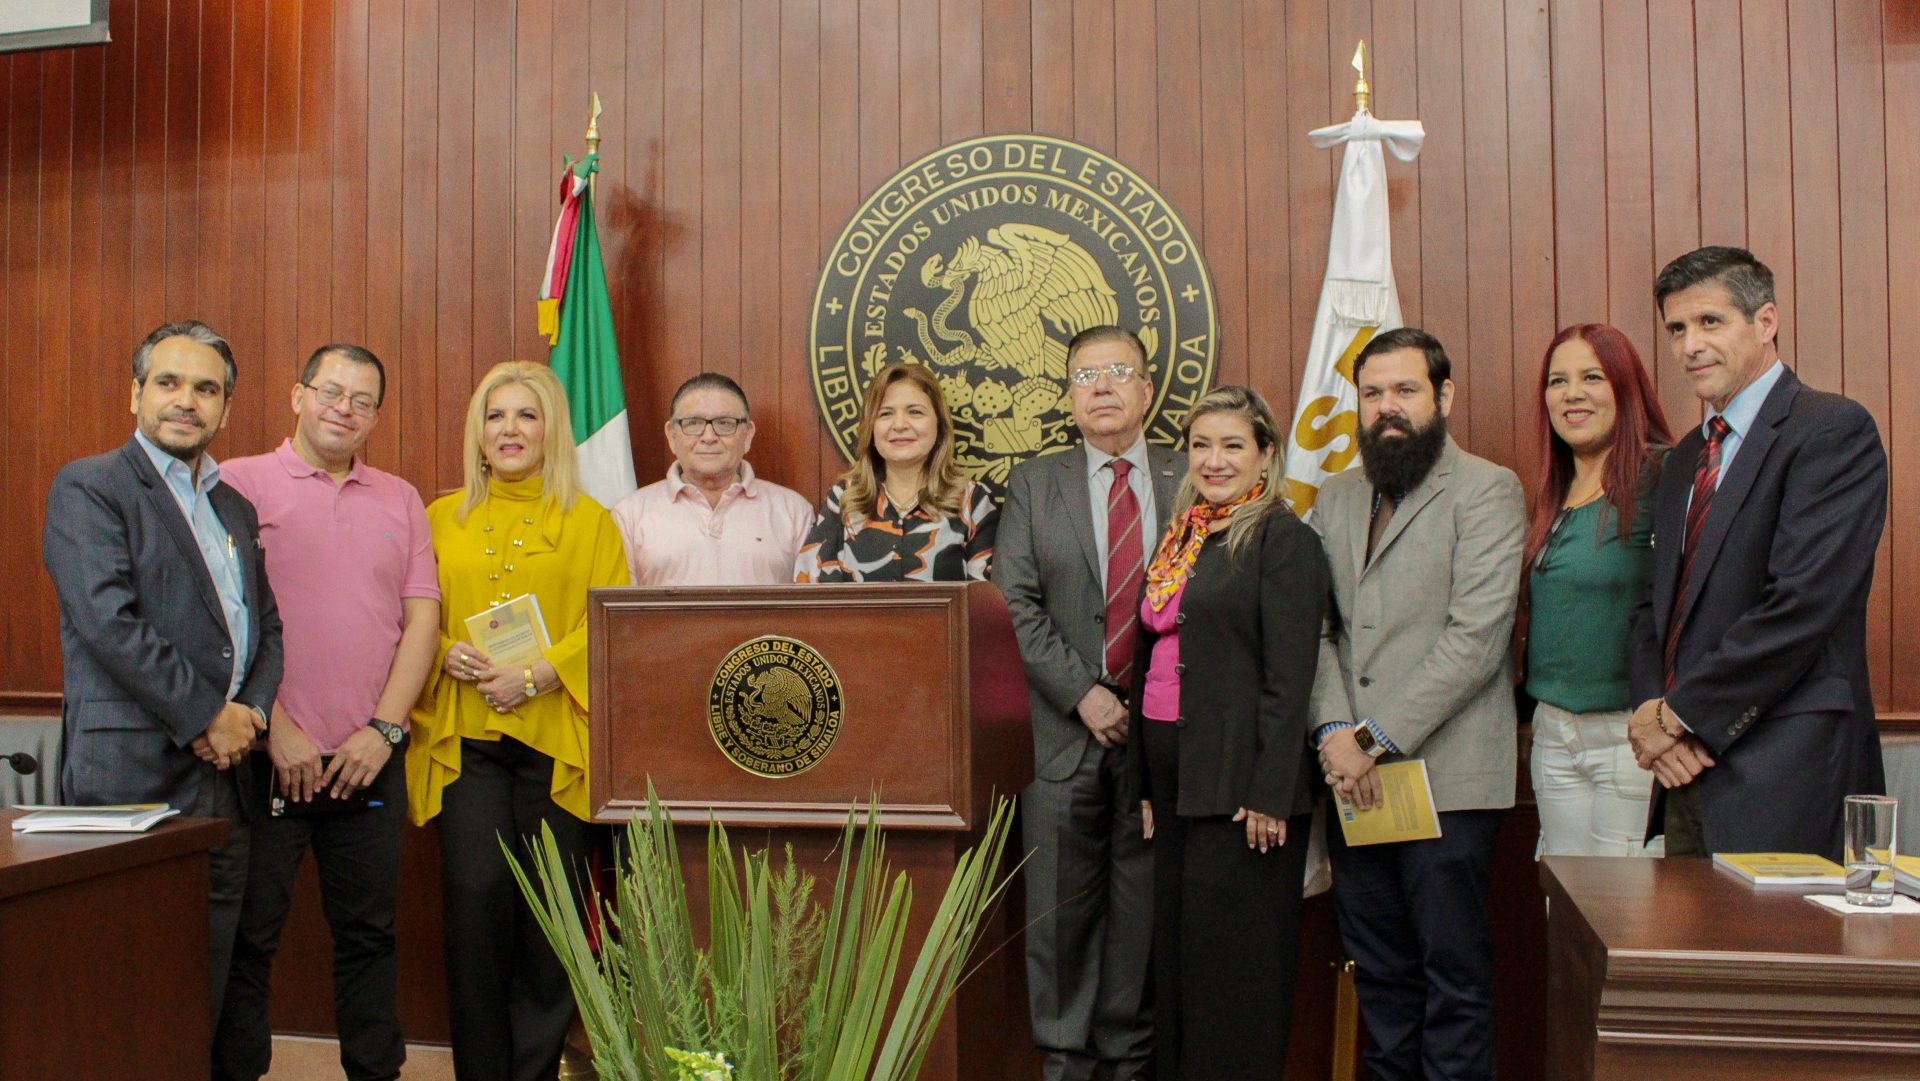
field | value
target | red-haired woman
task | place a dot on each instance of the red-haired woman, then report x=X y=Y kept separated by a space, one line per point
x=1602 y=438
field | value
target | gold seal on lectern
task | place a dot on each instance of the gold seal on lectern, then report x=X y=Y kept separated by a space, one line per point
x=981 y=261
x=774 y=706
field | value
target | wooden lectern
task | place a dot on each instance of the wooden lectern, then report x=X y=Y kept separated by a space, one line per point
x=932 y=720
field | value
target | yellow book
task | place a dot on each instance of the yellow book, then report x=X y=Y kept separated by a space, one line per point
x=1406 y=815
x=1906 y=875
x=1783 y=868
x=513 y=634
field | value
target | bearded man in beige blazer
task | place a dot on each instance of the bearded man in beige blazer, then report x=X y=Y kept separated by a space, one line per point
x=1424 y=543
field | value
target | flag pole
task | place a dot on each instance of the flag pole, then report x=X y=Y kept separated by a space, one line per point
x=1362 y=93
x=593 y=134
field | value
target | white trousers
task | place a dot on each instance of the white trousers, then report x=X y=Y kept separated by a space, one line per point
x=1592 y=796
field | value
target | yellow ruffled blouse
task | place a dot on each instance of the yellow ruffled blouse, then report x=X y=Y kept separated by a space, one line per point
x=560 y=556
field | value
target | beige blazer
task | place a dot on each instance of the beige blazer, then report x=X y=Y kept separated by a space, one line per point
x=1417 y=639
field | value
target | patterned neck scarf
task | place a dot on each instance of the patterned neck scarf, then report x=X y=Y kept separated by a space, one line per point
x=1180 y=548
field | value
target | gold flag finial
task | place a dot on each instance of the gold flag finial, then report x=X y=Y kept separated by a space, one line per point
x=593 y=126
x=1362 y=93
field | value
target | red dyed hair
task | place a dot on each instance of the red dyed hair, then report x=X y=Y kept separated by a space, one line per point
x=1639 y=425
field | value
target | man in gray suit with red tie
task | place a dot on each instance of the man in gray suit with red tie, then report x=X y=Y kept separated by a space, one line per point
x=169 y=638
x=1750 y=650
x=1070 y=557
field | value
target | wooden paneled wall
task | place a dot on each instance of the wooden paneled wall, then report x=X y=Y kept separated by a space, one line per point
x=384 y=171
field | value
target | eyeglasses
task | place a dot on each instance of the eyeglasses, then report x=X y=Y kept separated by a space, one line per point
x=722 y=426
x=1117 y=372
x=330 y=395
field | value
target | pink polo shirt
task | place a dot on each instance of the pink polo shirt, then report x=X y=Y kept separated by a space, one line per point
x=341 y=559
x=675 y=538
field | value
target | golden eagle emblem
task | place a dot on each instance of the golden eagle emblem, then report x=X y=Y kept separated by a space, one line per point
x=774 y=706
x=982 y=261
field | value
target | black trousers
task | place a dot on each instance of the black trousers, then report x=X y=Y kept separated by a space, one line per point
x=506 y=990
x=219 y=797
x=358 y=856
x=1226 y=934
x=1414 y=920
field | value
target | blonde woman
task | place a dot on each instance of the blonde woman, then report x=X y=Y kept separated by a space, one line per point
x=501 y=750
x=904 y=512
x=1229 y=640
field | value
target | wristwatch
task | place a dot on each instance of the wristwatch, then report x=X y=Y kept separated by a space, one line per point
x=389 y=731
x=1364 y=738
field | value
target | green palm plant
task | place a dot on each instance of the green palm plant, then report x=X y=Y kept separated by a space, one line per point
x=789 y=987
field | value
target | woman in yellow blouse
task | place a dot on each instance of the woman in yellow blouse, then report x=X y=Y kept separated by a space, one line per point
x=500 y=750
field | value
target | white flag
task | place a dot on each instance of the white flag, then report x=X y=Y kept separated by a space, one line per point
x=1357 y=301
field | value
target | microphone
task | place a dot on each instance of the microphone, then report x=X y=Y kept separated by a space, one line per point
x=22 y=762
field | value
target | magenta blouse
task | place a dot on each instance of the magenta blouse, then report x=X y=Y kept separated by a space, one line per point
x=1160 y=698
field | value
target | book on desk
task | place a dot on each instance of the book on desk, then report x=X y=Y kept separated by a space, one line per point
x=1802 y=871
x=118 y=818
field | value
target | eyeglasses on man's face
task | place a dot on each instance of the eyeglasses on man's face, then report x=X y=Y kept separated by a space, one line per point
x=1117 y=372
x=362 y=404
x=691 y=427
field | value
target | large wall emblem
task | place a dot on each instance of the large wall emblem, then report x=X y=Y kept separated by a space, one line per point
x=774 y=706
x=981 y=260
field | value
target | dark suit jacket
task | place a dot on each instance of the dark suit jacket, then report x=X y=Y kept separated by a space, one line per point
x=1771 y=671
x=1249 y=643
x=1045 y=562
x=143 y=639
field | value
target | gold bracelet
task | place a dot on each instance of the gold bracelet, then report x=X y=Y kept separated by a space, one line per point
x=531 y=689
x=1660 y=719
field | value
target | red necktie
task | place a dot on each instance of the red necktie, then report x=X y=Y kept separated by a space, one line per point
x=1124 y=569
x=1706 y=478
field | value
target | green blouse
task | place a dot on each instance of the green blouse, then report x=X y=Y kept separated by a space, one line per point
x=1583 y=588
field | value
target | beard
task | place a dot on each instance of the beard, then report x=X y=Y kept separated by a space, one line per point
x=1397 y=464
x=188 y=450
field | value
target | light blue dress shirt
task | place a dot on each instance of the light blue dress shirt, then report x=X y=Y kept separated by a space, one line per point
x=217 y=546
x=1742 y=409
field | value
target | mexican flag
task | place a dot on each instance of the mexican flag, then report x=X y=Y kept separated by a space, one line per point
x=577 y=319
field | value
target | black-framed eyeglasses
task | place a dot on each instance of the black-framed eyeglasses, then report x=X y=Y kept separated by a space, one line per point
x=722 y=426
x=1117 y=372
x=362 y=404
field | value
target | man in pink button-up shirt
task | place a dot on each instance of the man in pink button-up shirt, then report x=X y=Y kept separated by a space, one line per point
x=711 y=521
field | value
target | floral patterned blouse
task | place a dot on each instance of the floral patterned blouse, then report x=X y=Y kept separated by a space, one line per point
x=922 y=546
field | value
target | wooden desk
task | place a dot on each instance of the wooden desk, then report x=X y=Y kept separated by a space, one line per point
x=103 y=953
x=1674 y=969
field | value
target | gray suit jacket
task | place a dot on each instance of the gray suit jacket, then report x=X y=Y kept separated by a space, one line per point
x=1417 y=639
x=143 y=639
x=1045 y=562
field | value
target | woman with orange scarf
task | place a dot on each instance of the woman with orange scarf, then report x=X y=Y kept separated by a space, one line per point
x=1229 y=638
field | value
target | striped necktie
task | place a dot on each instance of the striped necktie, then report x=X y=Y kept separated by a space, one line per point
x=1706 y=478
x=1124 y=568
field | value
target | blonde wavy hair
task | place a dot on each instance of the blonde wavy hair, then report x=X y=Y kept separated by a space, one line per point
x=941 y=482
x=1244 y=402
x=560 y=465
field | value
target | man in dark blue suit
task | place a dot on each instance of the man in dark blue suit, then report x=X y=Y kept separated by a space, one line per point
x=169 y=637
x=1750 y=650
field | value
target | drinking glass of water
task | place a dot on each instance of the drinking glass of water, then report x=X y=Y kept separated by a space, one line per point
x=1870 y=824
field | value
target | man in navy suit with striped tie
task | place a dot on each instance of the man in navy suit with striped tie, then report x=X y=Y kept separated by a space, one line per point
x=1070 y=556
x=1750 y=650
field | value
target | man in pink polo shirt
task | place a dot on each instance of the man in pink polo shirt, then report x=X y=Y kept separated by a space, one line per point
x=349 y=556
x=712 y=522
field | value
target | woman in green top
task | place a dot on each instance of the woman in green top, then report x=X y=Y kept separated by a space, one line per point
x=1589 y=553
